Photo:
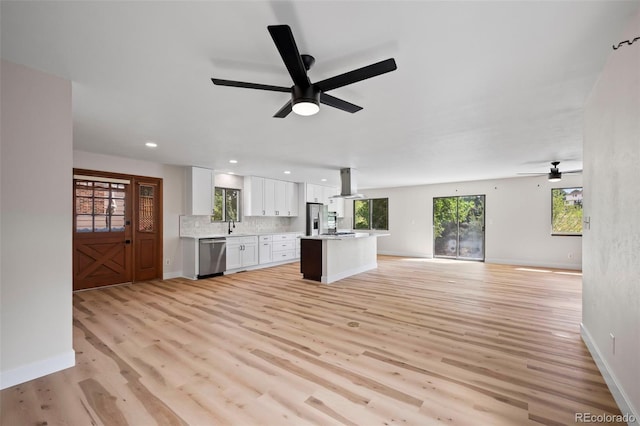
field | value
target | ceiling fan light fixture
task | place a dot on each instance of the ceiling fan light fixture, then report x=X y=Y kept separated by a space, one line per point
x=305 y=107
x=305 y=101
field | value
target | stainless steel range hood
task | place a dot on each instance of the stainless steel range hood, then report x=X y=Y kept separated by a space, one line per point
x=348 y=188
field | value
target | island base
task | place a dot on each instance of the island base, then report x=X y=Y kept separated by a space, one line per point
x=328 y=260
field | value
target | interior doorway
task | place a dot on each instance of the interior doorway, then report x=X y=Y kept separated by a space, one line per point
x=117 y=228
x=458 y=227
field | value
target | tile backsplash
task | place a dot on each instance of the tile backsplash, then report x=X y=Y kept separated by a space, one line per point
x=194 y=226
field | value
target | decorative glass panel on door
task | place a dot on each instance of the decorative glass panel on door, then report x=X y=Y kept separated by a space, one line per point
x=145 y=209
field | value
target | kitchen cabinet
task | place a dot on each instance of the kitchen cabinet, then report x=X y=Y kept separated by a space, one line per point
x=254 y=196
x=284 y=247
x=274 y=197
x=270 y=197
x=322 y=194
x=314 y=193
x=199 y=191
x=291 y=199
x=241 y=252
x=264 y=250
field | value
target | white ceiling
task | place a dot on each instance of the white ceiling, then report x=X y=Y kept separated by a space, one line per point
x=483 y=89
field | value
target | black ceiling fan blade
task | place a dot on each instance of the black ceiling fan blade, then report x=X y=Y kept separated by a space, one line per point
x=339 y=103
x=572 y=171
x=286 y=44
x=360 y=74
x=284 y=111
x=231 y=83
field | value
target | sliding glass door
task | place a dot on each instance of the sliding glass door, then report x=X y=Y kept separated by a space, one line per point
x=458 y=227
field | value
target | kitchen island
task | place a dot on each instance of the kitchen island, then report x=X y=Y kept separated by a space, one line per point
x=329 y=258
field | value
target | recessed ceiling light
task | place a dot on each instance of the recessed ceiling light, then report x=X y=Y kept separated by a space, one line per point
x=287 y=172
x=230 y=173
x=323 y=180
x=151 y=144
x=233 y=161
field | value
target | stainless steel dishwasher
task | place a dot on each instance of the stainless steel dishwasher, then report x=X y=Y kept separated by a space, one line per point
x=212 y=259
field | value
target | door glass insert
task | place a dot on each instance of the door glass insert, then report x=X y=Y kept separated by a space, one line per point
x=146 y=222
x=99 y=206
x=458 y=227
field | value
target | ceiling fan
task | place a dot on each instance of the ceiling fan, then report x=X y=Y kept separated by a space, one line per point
x=554 y=175
x=306 y=96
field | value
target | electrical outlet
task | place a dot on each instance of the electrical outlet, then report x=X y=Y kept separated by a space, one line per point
x=613 y=343
x=167 y=261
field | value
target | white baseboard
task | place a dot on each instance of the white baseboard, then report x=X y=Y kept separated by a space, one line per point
x=404 y=254
x=621 y=398
x=515 y=262
x=341 y=275
x=520 y=262
x=37 y=369
x=169 y=275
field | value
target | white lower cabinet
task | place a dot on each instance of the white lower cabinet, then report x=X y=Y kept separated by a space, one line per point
x=241 y=252
x=264 y=255
x=284 y=247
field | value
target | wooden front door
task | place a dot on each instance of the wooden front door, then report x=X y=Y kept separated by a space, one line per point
x=117 y=237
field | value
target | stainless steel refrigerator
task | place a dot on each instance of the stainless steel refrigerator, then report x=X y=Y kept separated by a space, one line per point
x=318 y=220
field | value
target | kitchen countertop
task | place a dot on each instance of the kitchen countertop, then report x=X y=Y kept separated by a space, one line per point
x=197 y=237
x=343 y=237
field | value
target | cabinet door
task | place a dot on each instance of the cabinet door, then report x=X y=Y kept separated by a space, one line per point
x=264 y=255
x=279 y=197
x=291 y=198
x=314 y=193
x=336 y=204
x=327 y=193
x=254 y=196
x=269 y=197
x=234 y=256
x=250 y=254
x=200 y=191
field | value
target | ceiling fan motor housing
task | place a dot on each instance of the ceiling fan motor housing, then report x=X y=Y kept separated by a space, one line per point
x=309 y=94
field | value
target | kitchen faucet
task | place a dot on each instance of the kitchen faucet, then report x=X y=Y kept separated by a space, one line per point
x=234 y=225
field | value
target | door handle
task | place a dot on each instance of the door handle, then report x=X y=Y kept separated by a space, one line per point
x=127 y=241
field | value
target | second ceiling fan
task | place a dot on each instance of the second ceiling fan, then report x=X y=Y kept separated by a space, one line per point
x=306 y=96
x=554 y=175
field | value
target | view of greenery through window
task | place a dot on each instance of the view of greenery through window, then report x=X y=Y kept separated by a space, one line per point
x=371 y=214
x=458 y=226
x=226 y=204
x=566 y=211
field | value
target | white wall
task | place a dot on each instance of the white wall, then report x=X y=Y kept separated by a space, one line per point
x=517 y=214
x=173 y=196
x=35 y=225
x=611 y=280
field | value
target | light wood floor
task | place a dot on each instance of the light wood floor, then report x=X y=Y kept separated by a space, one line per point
x=413 y=342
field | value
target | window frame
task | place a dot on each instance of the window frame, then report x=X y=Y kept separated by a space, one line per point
x=370 y=219
x=555 y=233
x=224 y=204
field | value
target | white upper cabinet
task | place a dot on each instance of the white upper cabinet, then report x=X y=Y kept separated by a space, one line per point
x=254 y=196
x=291 y=198
x=270 y=207
x=270 y=197
x=199 y=191
x=337 y=205
x=315 y=193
